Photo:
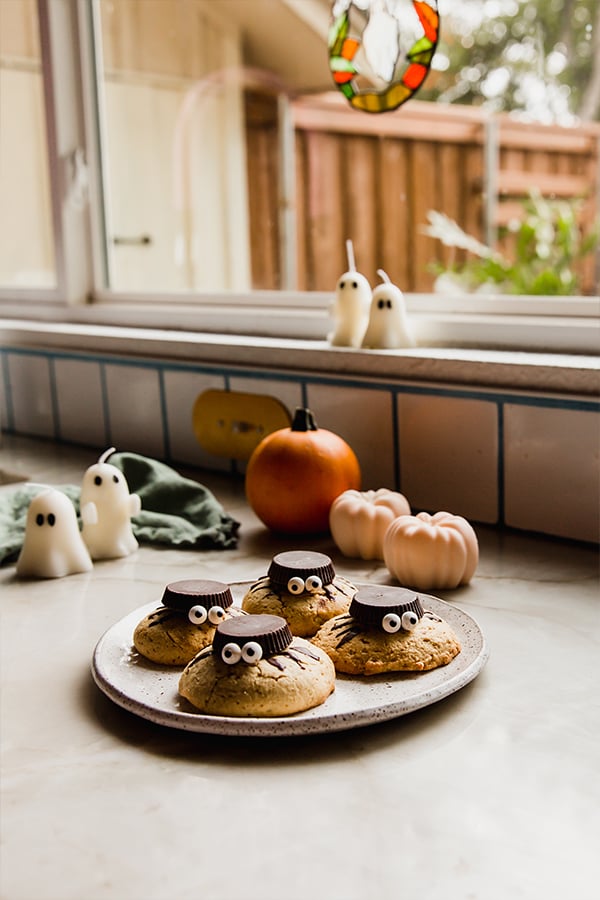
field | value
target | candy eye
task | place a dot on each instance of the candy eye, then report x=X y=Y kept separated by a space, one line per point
x=252 y=652
x=216 y=614
x=197 y=615
x=313 y=583
x=295 y=585
x=409 y=620
x=391 y=623
x=231 y=654
x=97 y=480
x=116 y=479
x=39 y=519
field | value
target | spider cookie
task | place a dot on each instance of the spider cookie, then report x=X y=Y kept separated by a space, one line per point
x=255 y=667
x=387 y=630
x=301 y=586
x=185 y=623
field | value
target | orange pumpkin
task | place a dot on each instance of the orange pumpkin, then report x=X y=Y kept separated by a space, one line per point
x=296 y=473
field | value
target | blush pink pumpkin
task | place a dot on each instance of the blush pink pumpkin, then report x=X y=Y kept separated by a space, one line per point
x=358 y=520
x=429 y=552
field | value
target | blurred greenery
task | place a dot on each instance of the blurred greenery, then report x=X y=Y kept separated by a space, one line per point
x=547 y=244
x=540 y=57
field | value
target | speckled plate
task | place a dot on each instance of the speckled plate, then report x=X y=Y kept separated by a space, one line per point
x=150 y=690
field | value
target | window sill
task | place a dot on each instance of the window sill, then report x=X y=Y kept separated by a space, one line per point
x=560 y=373
x=568 y=325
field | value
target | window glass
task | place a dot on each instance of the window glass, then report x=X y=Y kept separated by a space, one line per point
x=173 y=115
x=230 y=161
x=26 y=238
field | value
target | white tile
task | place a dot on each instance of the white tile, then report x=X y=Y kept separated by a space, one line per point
x=287 y=392
x=552 y=470
x=181 y=391
x=363 y=418
x=134 y=409
x=79 y=400
x=29 y=376
x=449 y=455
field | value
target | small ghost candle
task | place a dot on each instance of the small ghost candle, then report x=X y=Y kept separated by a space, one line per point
x=388 y=326
x=351 y=306
x=53 y=546
x=106 y=510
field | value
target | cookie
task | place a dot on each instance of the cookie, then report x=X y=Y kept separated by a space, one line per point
x=256 y=667
x=301 y=586
x=185 y=623
x=387 y=630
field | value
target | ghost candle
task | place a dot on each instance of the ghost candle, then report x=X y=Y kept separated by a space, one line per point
x=53 y=546
x=388 y=326
x=106 y=511
x=351 y=306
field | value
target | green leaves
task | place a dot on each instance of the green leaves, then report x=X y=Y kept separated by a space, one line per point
x=547 y=243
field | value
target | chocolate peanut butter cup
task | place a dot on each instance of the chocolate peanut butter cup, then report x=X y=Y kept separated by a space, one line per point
x=271 y=633
x=183 y=595
x=299 y=570
x=387 y=607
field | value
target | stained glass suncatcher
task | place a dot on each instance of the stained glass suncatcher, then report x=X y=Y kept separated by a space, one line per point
x=380 y=51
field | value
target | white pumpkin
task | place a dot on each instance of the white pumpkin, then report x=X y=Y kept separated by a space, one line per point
x=429 y=552
x=358 y=520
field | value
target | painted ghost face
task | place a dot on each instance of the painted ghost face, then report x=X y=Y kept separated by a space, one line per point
x=53 y=546
x=388 y=326
x=106 y=511
x=103 y=484
x=351 y=309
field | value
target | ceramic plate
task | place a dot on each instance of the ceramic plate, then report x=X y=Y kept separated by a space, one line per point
x=150 y=690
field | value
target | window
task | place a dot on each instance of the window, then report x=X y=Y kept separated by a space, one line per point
x=205 y=177
x=26 y=235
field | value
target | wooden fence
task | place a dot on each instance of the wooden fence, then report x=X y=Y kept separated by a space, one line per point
x=374 y=178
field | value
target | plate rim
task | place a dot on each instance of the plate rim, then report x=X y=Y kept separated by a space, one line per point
x=296 y=724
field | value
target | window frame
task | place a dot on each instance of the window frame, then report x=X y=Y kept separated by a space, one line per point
x=548 y=324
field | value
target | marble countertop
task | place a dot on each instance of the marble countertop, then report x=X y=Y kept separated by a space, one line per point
x=490 y=793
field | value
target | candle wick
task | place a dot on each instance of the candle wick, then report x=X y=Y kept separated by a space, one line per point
x=105 y=455
x=350 y=255
x=384 y=276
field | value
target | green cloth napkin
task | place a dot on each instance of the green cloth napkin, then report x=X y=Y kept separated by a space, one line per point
x=176 y=511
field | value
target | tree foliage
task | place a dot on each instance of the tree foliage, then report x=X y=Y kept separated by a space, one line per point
x=541 y=57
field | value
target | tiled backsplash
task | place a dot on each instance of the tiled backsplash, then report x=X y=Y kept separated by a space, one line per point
x=529 y=461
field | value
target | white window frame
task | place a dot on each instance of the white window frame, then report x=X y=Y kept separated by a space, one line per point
x=549 y=324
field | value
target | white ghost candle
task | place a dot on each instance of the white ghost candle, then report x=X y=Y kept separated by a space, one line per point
x=351 y=305
x=388 y=326
x=53 y=546
x=106 y=511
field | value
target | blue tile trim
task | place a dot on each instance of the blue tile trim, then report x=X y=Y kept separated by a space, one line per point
x=54 y=397
x=105 y=405
x=163 y=413
x=500 y=463
x=396 y=441
x=499 y=398
x=10 y=412
x=304 y=390
x=305 y=379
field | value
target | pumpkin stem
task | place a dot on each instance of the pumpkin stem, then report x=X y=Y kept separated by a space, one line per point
x=303 y=420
